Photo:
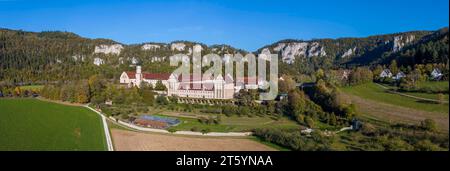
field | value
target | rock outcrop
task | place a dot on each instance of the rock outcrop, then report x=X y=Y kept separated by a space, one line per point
x=349 y=52
x=177 y=46
x=150 y=47
x=98 y=61
x=109 y=49
x=399 y=43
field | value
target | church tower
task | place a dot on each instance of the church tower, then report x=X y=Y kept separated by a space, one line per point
x=138 y=76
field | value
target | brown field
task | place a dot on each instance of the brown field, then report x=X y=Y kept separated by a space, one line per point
x=137 y=141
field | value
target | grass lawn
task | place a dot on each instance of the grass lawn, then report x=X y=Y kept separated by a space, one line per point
x=31 y=124
x=234 y=123
x=434 y=85
x=374 y=92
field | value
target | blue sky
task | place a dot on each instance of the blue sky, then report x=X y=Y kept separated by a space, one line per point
x=245 y=24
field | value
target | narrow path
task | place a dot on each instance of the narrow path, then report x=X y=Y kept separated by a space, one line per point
x=105 y=128
x=410 y=96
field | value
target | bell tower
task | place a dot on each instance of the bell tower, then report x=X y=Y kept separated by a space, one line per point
x=138 y=76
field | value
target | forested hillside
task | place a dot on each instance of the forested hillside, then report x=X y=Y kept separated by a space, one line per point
x=29 y=57
x=39 y=57
x=409 y=48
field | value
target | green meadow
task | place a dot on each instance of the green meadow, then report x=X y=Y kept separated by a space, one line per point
x=375 y=92
x=233 y=123
x=31 y=124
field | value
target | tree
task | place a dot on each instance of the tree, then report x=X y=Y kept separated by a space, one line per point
x=286 y=85
x=320 y=74
x=299 y=104
x=333 y=119
x=162 y=100
x=309 y=122
x=393 y=67
x=350 y=111
x=146 y=86
x=96 y=85
x=160 y=86
x=119 y=98
x=377 y=71
x=83 y=93
x=97 y=99
x=148 y=97
x=361 y=75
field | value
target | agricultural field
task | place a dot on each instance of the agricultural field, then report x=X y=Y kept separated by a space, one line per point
x=377 y=93
x=232 y=124
x=31 y=124
x=378 y=105
x=138 y=141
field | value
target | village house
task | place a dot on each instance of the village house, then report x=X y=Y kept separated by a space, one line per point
x=399 y=76
x=436 y=74
x=386 y=73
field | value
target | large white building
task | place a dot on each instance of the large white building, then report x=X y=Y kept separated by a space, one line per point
x=210 y=88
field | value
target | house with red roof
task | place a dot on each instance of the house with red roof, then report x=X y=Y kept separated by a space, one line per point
x=131 y=78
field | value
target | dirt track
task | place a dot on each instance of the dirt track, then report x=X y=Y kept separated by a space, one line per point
x=137 y=141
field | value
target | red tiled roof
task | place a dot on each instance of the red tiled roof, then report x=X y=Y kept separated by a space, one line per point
x=254 y=80
x=156 y=76
x=149 y=76
x=131 y=75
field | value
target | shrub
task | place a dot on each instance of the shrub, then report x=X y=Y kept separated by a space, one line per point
x=426 y=145
x=429 y=125
x=194 y=129
x=368 y=129
x=309 y=122
x=205 y=131
x=171 y=130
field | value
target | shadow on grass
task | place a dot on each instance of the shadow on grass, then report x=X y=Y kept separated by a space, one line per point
x=427 y=102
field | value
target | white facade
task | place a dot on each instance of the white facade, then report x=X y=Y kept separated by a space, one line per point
x=436 y=74
x=399 y=75
x=213 y=88
x=386 y=74
x=216 y=88
x=136 y=78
